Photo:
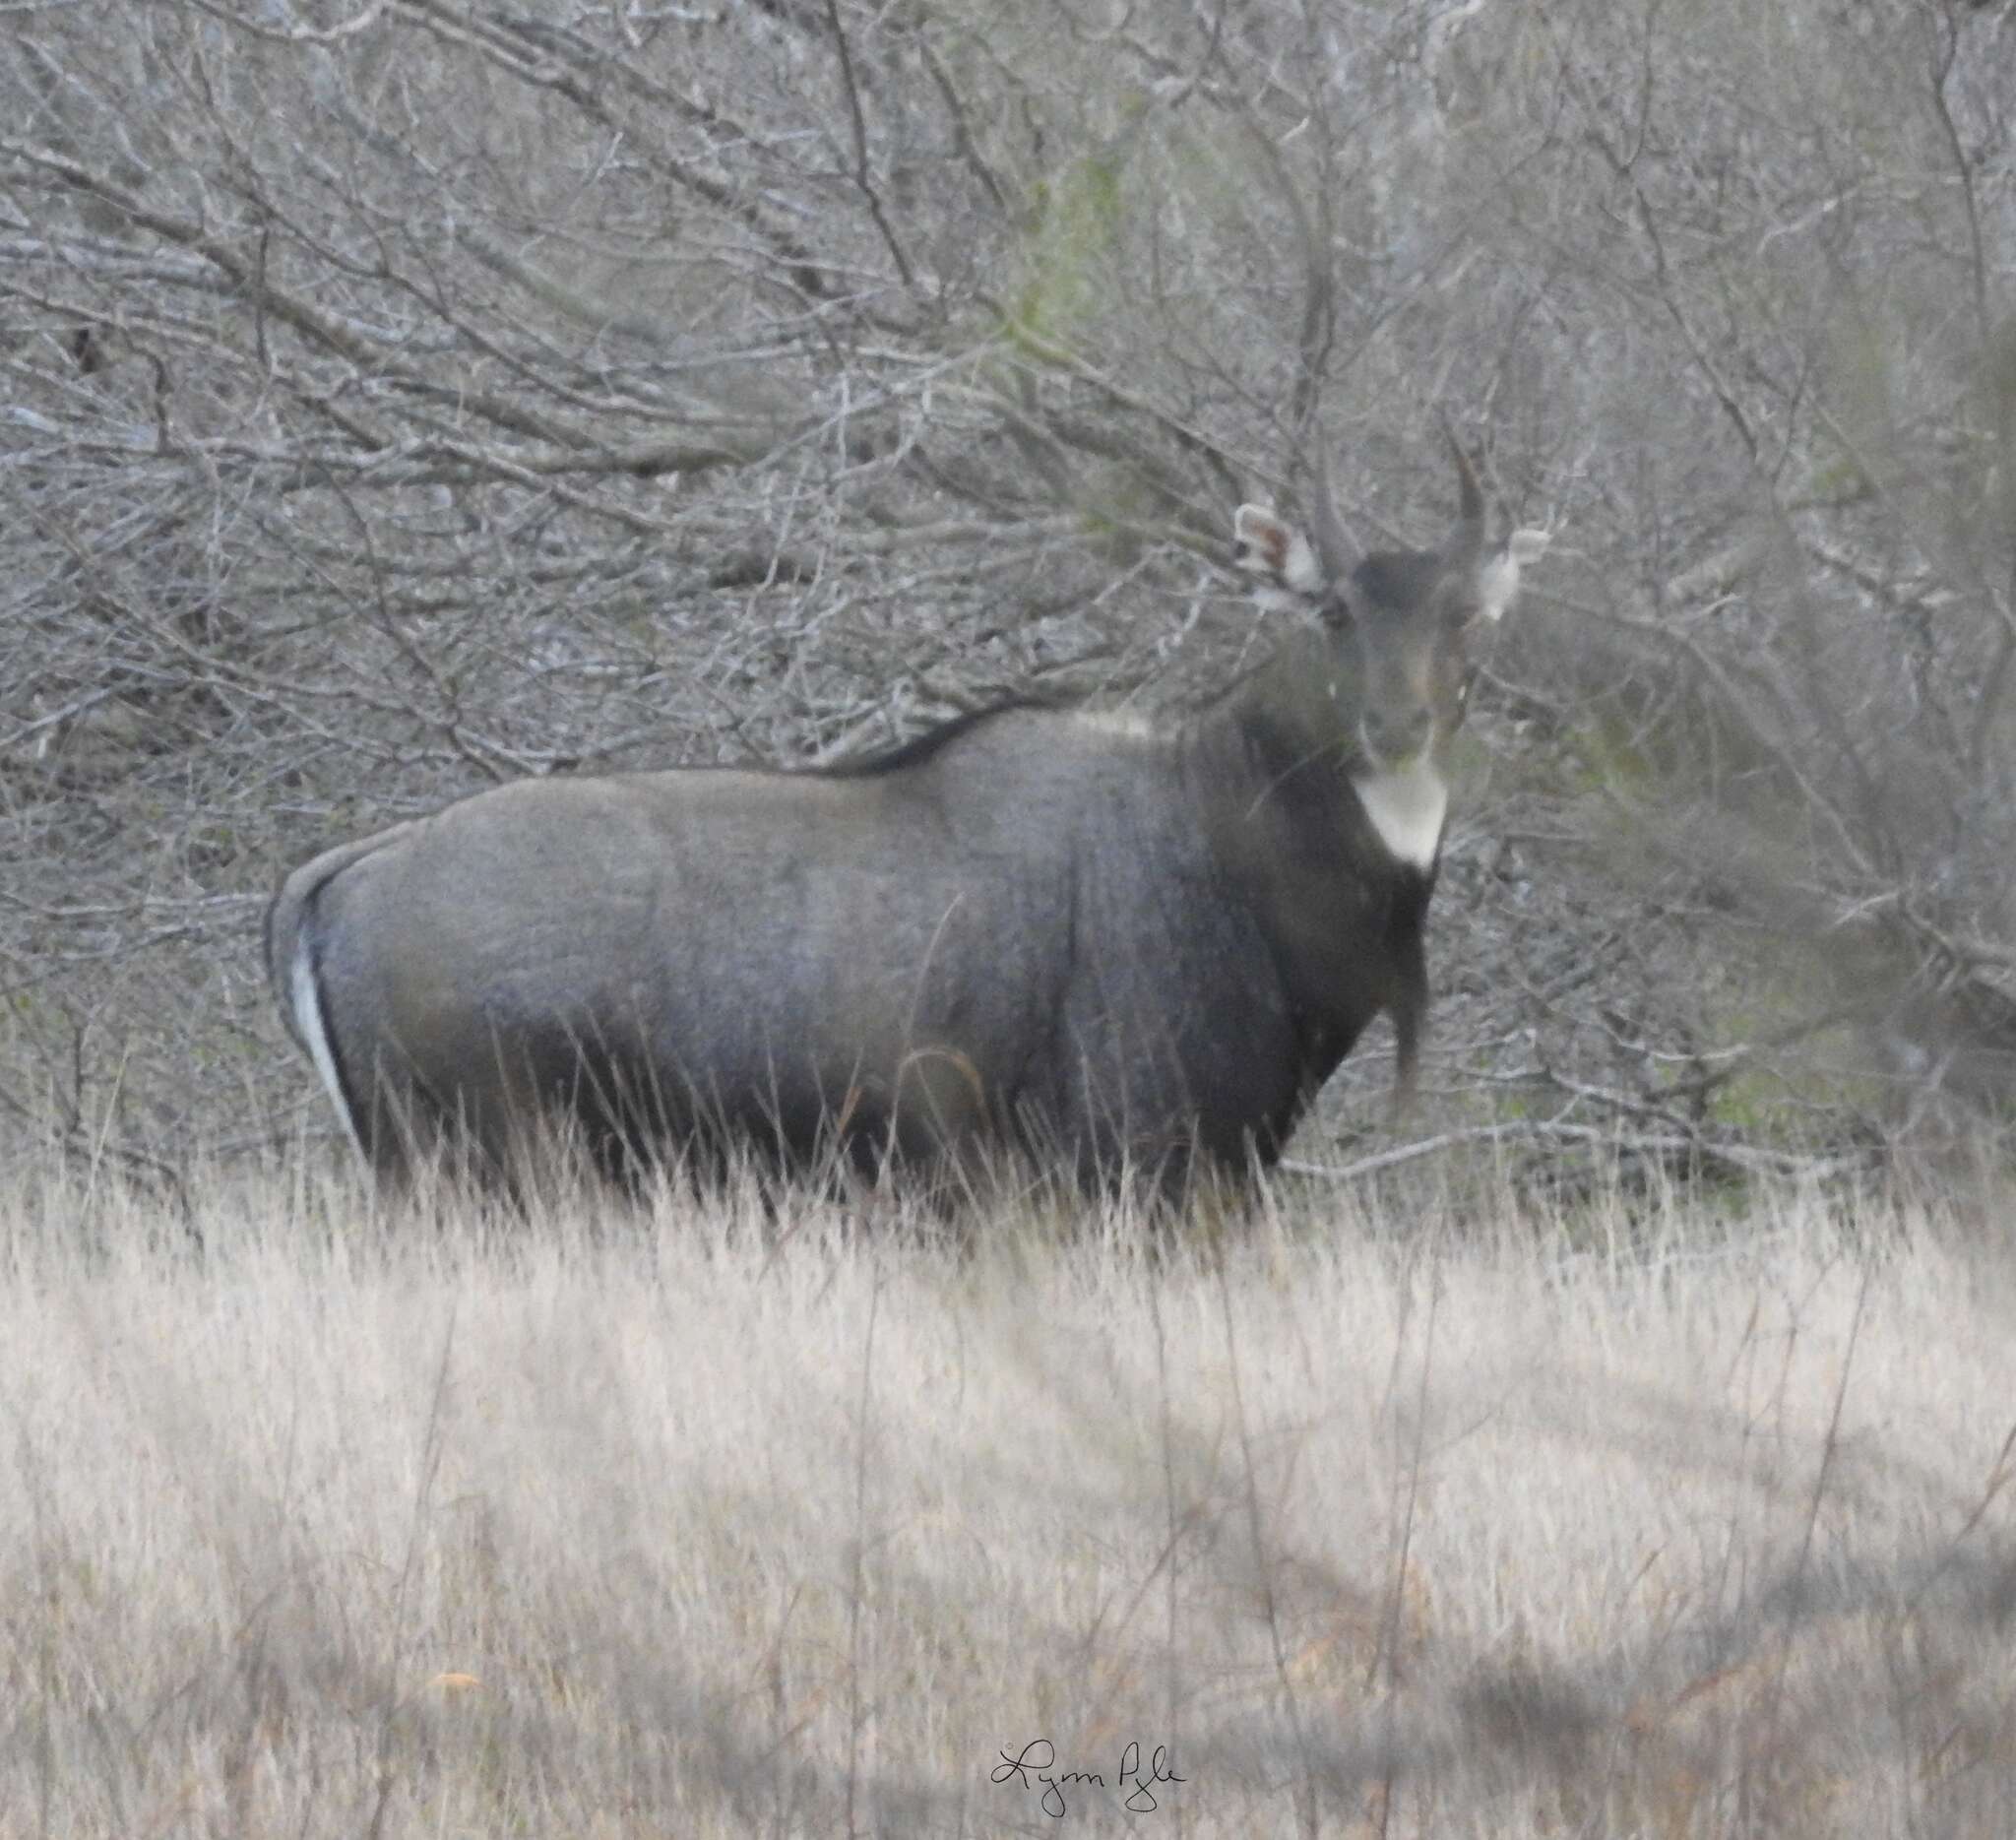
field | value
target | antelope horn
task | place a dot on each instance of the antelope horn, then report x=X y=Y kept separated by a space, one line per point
x=1337 y=552
x=1468 y=537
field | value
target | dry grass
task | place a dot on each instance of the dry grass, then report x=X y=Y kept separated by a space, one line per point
x=1434 y=1526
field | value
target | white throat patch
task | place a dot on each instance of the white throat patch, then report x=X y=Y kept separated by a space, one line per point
x=1407 y=807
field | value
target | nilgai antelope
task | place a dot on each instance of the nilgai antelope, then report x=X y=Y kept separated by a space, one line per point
x=1125 y=949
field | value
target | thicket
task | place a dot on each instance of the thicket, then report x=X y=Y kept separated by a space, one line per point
x=400 y=395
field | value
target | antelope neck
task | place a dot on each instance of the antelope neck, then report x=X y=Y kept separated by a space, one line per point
x=1407 y=805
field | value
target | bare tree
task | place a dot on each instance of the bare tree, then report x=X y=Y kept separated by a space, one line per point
x=404 y=395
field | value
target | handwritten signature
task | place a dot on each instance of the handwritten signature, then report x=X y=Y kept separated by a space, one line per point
x=1032 y=1765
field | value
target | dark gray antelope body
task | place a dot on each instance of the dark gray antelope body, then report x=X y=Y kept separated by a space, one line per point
x=1109 y=944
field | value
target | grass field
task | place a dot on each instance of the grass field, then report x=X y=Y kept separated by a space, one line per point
x=1617 y=1522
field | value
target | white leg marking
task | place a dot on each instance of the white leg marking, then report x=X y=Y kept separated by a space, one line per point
x=1407 y=807
x=308 y=1019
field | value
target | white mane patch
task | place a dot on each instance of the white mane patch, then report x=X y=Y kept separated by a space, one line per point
x=307 y=1004
x=1407 y=807
x=1136 y=724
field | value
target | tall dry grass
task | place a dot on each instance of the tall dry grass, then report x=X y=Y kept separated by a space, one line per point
x=1609 y=1523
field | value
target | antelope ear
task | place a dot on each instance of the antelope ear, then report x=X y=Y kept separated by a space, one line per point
x=1497 y=584
x=1264 y=545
